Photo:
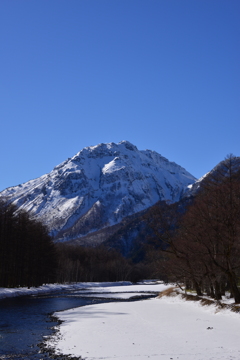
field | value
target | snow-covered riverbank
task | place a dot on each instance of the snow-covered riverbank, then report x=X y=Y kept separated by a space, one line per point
x=46 y=289
x=160 y=328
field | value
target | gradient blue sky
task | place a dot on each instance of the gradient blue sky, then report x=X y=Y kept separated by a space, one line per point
x=162 y=74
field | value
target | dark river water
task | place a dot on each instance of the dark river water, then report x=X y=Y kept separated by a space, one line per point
x=25 y=320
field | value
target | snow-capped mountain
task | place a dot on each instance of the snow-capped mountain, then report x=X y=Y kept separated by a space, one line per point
x=98 y=187
x=224 y=169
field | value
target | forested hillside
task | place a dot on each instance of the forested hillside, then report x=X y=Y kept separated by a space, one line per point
x=200 y=246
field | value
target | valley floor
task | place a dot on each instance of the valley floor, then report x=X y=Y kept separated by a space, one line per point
x=160 y=328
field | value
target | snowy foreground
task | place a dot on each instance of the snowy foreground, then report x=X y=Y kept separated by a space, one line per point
x=160 y=328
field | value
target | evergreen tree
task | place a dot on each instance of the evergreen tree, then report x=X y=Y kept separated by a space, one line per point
x=27 y=253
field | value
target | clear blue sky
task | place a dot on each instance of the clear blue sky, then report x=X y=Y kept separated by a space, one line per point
x=162 y=74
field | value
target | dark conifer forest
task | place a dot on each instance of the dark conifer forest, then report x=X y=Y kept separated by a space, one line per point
x=27 y=253
x=29 y=257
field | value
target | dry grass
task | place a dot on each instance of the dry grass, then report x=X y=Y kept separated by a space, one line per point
x=235 y=308
x=206 y=302
x=168 y=292
x=173 y=291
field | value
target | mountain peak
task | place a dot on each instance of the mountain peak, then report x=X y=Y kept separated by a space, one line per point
x=98 y=187
x=108 y=146
x=128 y=145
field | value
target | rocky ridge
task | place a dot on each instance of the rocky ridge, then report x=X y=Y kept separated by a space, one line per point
x=98 y=187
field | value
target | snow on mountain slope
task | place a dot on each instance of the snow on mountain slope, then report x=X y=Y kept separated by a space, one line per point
x=229 y=166
x=98 y=187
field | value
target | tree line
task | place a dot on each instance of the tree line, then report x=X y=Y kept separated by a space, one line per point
x=27 y=253
x=91 y=264
x=200 y=245
x=29 y=257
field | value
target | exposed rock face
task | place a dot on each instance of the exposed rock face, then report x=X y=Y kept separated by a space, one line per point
x=98 y=187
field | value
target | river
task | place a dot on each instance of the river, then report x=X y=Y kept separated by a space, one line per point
x=24 y=321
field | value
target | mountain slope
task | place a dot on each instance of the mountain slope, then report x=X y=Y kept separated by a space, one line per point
x=98 y=187
x=227 y=167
